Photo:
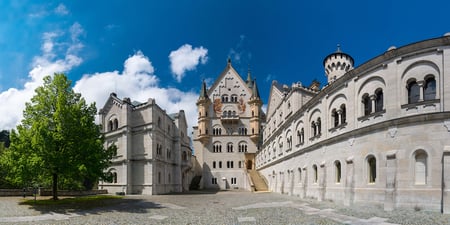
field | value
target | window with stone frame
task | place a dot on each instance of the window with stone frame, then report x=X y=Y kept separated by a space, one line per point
x=379 y=100
x=429 y=89
x=413 y=91
x=337 y=167
x=371 y=169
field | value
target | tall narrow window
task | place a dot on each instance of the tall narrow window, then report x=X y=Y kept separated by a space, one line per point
x=334 y=114
x=378 y=100
x=315 y=175
x=429 y=89
x=413 y=92
x=214 y=164
x=343 y=114
x=116 y=124
x=367 y=104
x=313 y=128
x=420 y=168
x=372 y=169
x=337 y=166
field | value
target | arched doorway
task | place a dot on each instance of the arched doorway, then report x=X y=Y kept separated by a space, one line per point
x=249 y=164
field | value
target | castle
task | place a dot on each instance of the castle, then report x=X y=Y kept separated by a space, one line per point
x=376 y=133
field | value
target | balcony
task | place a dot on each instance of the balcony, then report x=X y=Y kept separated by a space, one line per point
x=229 y=116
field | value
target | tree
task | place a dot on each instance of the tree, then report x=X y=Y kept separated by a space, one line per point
x=57 y=140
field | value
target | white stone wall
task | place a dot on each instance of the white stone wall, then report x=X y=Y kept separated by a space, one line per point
x=394 y=135
x=142 y=129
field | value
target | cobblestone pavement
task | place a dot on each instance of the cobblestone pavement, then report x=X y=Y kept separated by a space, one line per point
x=230 y=207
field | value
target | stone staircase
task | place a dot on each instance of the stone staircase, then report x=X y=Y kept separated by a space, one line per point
x=258 y=181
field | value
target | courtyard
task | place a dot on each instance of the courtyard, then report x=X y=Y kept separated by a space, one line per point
x=203 y=207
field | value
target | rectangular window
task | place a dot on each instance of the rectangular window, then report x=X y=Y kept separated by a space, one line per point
x=233 y=180
x=214 y=180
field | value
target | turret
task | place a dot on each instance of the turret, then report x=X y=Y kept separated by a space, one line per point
x=255 y=104
x=203 y=104
x=337 y=64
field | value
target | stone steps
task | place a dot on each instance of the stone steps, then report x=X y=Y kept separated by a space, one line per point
x=258 y=181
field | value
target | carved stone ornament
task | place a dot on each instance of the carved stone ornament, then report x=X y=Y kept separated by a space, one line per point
x=217 y=105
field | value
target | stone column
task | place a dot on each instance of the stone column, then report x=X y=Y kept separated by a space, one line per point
x=339 y=115
x=322 y=182
x=349 y=182
x=420 y=83
x=446 y=180
x=372 y=102
x=391 y=177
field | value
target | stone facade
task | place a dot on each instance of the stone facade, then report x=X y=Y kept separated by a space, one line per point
x=228 y=132
x=378 y=133
x=153 y=155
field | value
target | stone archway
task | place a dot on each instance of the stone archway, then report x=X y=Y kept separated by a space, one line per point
x=249 y=164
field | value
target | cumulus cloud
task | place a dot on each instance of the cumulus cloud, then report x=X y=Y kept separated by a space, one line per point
x=185 y=59
x=47 y=63
x=138 y=82
x=61 y=9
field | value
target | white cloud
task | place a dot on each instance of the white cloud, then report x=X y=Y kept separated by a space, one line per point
x=185 y=59
x=42 y=65
x=137 y=82
x=238 y=54
x=61 y=9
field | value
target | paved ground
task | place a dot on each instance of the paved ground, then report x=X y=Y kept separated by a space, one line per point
x=231 y=207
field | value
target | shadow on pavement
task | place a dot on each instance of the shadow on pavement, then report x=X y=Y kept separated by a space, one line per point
x=128 y=205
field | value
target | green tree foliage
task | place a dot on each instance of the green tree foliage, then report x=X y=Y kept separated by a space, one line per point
x=58 y=142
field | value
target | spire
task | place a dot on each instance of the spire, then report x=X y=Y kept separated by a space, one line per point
x=249 y=78
x=255 y=92
x=338 y=48
x=203 y=93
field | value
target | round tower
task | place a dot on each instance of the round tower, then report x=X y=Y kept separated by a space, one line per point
x=337 y=64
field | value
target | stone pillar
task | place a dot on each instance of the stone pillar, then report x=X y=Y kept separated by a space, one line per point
x=305 y=182
x=339 y=115
x=446 y=180
x=420 y=83
x=322 y=182
x=349 y=182
x=391 y=184
x=372 y=102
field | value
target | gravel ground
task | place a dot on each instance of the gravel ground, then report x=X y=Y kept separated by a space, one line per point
x=231 y=207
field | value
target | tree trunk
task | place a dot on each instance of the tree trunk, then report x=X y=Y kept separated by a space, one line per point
x=55 y=187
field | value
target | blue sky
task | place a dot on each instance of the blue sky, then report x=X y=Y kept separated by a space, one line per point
x=163 y=49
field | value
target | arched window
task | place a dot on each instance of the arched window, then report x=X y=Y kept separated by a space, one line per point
x=379 y=100
x=335 y=116
x=116 y=124
x=214 y=164
x=159 y=122
x=343 y=114
x=184 y=156
x=315 y=175
x=337 y=166
x=372 y=169
x=220 y=164
x=420 y=167
x=313 y=128
x=429 y=89
x=367 y=104
x=413 y=92
x=114 y=178
x=230 y=147
x=110 y=125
